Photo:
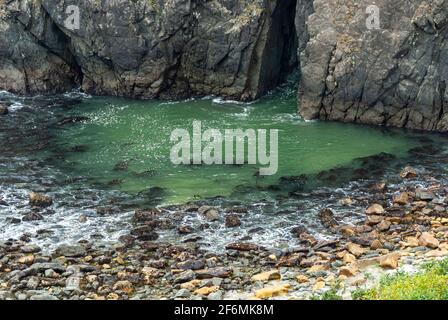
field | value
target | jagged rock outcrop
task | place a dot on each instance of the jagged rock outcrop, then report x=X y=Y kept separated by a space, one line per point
x=395 y=75
x=160 y=48
x=33 y=55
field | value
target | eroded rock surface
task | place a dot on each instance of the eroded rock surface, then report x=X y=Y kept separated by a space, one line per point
x=395 y=75
x=146 y=49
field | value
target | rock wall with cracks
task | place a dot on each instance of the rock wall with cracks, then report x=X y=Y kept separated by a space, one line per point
x=395 y=75
x=173 y=49
x=238 y=49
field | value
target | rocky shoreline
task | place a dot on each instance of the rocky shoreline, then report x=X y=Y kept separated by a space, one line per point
x=403 y=226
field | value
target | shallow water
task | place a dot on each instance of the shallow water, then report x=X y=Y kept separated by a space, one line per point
x=117 y=159
x=127 y=143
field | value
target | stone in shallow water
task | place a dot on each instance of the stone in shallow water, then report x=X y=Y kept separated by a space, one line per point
x=408 y=173
x=32 y=216
x=40 y=200
x=233 y=220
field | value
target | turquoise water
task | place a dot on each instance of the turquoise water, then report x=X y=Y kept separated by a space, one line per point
x=125 y=144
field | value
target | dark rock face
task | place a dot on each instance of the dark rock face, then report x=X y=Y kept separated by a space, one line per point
x=26 y=65
x=146 y=49
x=395 y=75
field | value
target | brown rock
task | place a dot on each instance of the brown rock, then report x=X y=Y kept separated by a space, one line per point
x=389 y=261
x=408 y=173
x=374 y=219
x=376 y=244
x=348 y=231
x=428 y=240
x=355 y=249
x=272 y=291
x=124 y=285
x=233 y=220
x=384 y=225
x=40 y=200
x=267 y=276
x=205 y=291
x=302 y=278
x=402 y=198
x=28 y=260
x=218 y=272
x=348 y=271
x=375 y=209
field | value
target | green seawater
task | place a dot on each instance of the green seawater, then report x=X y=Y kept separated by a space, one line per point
x=126 y=144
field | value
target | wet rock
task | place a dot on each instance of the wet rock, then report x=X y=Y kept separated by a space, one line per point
x=326 y=217
x=232 y=220
x=145 y=215
x=3 y=110
x=383 y=225
x=107 y=211
x=408 y=173
x=185 y=230
x=70 y=251
x=242 y=246
x=298 y=230
x=375 y=209
x=32 y=216
x=145 y=233
x=355 y=249
x=40 y=200
x=218 y=272
x=210 y=213
x=291 y=260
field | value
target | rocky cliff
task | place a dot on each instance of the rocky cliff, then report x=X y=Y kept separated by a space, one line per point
x=150 y=48
x=393 y=73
